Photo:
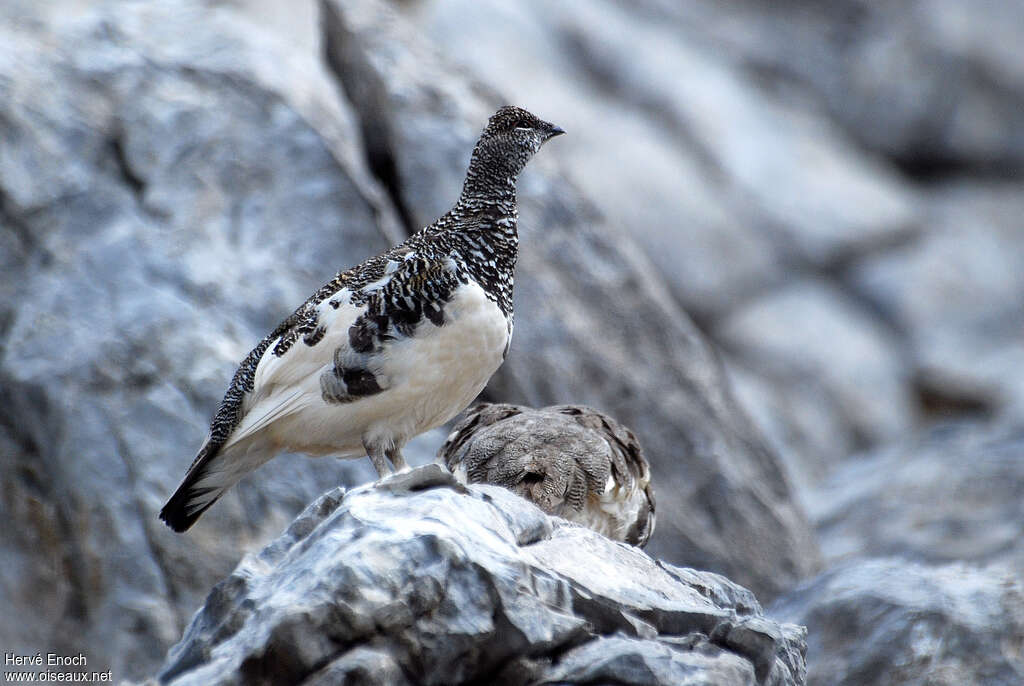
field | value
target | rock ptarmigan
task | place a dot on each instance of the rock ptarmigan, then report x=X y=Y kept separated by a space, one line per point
x=386 y=350
x=572 y=461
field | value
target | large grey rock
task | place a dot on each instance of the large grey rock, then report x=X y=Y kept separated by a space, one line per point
x=892 y=622
x=801 y=420
x=937 y=85
x=439 y=586
x=720 y=180
x=812 y=334
x=956 y=493
x=957 y=293
x=596 y=323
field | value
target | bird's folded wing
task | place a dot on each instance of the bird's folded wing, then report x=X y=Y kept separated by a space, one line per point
x=342 y=339
x=267 y=411
x=287 y=375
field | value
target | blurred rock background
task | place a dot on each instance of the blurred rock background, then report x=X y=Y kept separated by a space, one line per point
x=783 y=242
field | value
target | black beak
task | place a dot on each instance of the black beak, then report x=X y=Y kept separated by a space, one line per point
x=554 y=131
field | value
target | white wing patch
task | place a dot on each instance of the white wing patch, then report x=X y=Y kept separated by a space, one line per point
x=281 y=384
x=264 y=413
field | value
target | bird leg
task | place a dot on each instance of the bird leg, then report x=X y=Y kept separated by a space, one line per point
x=397 y=459
x=376 y=452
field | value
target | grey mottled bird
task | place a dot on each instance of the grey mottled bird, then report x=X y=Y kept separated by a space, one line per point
x=386 y=350
x=572 y=461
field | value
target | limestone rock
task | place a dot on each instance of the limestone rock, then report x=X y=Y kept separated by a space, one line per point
x=439 y=587
x=888 y=622
x=811 y=334
x=937 y=85
x=956 y=493
x=956 y=293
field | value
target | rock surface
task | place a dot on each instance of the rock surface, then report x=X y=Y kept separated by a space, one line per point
x=809 y=334
x=893 y=622
x=956 y=493
x=440 y=587
x=956 y=293
x=934 y=84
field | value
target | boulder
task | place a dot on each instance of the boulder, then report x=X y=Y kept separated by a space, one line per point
x=812 y=335
x=935 y=85
x=418 y=580
x=888 y=622
x=801 y=420
x=955 y=293
x=955 y=493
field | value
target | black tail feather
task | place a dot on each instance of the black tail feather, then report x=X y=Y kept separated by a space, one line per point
x=176 y=512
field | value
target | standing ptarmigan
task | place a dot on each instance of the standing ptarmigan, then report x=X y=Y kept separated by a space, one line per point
x=571 y=461
x=386 y=350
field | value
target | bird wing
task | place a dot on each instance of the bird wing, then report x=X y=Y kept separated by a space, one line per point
x=264 y=386
x=334 y=352
x=286 y=378
x=415 y=293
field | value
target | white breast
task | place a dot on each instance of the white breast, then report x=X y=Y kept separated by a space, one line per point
x=440 y=370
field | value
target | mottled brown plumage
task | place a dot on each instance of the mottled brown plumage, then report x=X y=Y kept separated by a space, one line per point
x=572 y=461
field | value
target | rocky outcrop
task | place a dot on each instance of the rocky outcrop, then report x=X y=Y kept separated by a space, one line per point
x=892 y=622
x=936 y=85
x=956 y=493
x=810 y=335
x=955 y=294
x=446 y=586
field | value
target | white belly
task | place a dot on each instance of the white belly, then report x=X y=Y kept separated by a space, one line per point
x=433 y=376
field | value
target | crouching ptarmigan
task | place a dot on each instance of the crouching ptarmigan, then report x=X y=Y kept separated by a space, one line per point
x=572 y=461
x=386 y=350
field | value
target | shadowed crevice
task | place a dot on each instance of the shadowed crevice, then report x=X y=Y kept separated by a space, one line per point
x=118 y=153
x=345 y=62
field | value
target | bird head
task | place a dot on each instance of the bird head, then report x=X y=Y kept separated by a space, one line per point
x=512 y=136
